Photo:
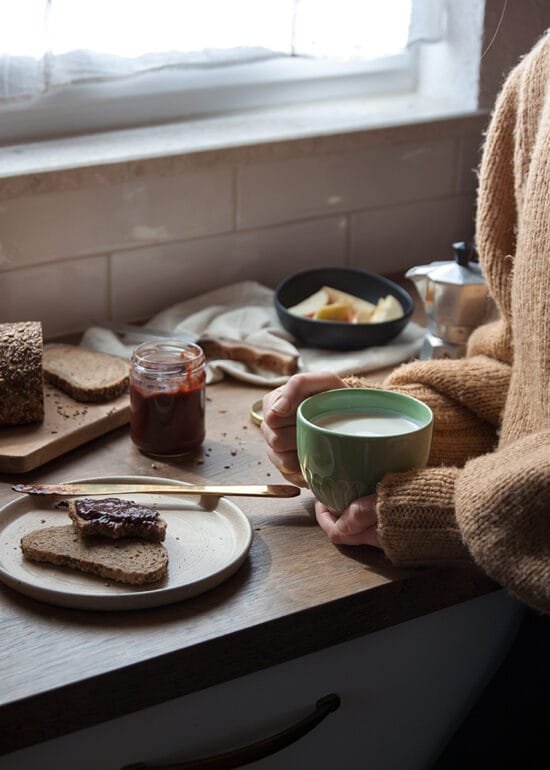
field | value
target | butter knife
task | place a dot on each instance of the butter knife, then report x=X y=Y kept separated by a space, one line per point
x=219 y=490
x=215 y=347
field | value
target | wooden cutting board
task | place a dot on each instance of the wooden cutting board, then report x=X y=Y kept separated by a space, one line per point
x=67 y=424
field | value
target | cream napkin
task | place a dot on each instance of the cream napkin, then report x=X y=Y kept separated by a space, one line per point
x=245 y=311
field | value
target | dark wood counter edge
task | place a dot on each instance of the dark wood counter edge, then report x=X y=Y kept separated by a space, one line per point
x=117 y=693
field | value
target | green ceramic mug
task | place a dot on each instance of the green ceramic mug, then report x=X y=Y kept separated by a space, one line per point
x=349 y=438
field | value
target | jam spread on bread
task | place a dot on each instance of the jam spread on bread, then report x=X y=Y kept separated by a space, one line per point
x=112 y=510
x=113 y=517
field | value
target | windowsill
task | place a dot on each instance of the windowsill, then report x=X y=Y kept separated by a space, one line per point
x=251 y=135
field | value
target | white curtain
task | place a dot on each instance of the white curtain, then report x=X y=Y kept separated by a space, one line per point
x=46 y=44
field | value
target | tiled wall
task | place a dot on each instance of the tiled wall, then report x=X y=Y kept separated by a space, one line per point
x=94 y=245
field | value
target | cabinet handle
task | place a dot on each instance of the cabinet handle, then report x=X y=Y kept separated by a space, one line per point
x=254 y=751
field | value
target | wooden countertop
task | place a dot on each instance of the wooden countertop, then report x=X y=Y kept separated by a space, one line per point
x=63 y=670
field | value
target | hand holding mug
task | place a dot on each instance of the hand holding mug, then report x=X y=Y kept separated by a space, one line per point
x=279 y=422
x=357 y=525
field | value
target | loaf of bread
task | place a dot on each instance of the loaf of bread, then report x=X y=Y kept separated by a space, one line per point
x=21 y=380
x=115 y=518
x=126 y=561
x=85 y=375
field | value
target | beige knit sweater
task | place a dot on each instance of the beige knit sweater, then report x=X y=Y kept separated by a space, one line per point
x=486 y=493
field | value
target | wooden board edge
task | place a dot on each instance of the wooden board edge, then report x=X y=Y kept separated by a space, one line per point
x=43 y=454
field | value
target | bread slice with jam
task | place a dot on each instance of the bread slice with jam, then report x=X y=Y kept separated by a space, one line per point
x=115 y=518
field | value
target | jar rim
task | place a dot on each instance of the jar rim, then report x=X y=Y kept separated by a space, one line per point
x=171 y=356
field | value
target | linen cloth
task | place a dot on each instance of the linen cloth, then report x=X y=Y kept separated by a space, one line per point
x=245 y=311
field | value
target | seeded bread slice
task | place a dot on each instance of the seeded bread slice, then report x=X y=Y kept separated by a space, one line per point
x=21 y=381
x=126 y=561
x=85 y=375
x=115 y=518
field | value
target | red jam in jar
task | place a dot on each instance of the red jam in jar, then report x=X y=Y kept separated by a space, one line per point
x=167 y=397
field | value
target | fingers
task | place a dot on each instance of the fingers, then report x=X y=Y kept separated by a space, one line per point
x=287 y=464
x=280 y=440
x=279 y=406
x=356 y=526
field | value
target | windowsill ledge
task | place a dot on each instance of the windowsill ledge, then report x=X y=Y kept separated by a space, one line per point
x=254 y=135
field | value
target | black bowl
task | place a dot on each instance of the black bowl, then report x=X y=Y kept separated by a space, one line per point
x=339 y=335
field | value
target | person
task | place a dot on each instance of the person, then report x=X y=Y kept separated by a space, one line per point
x=485 y=495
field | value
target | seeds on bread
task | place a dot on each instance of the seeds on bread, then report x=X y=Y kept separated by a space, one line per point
x=21 y=380
x=132 y=561
x=115 y=518
x=86 y=375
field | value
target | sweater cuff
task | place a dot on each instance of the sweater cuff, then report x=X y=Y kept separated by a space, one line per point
x=417 y=525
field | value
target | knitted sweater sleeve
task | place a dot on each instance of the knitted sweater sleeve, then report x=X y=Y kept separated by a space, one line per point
x=417 y=525
x=503 y=512
x=496 y=510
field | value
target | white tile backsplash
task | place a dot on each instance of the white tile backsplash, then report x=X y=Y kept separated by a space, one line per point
x=318 y=186
x=145 y=281
x=65 y=296
x=52 y=226
x=393 y=239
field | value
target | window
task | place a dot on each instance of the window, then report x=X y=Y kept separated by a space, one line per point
x=80 y=66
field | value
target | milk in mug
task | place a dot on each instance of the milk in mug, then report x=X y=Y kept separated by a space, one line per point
x=367 y=422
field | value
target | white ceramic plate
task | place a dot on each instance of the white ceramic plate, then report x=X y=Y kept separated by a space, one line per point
x=207 y=540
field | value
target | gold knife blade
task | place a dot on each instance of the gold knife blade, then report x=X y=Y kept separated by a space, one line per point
x=219 y=490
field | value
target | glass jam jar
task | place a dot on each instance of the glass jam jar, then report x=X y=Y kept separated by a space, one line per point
x=167 y=397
